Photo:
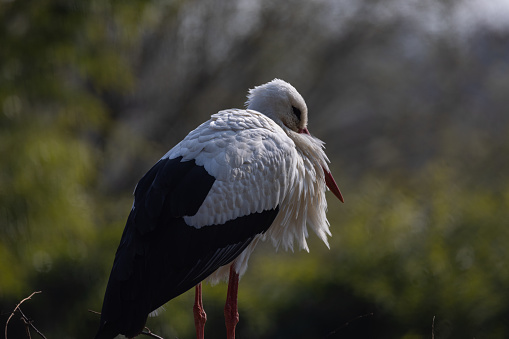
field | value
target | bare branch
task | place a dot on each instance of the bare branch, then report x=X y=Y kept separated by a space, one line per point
x=94 y=312
x=27 y=327
x=30 y=323
x=147 y=333
x=150 y=334
x=348 y=323
x=433 y=328
x=16 y=308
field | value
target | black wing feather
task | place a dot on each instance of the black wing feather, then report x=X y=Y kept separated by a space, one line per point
x=160 y=256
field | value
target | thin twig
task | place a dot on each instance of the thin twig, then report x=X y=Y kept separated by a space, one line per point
x=27 y=328
x=150 y=334
x=348 y=323
x=94 y=312
x=29 y=322
x=16 y=308
x=433 y=328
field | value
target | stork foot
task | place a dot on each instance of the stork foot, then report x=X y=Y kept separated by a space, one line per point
x=200 y=317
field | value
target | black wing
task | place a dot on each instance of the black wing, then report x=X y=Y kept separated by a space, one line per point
x=160 y=256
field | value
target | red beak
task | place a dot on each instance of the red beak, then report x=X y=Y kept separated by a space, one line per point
x=331 y=184
x=329 y=180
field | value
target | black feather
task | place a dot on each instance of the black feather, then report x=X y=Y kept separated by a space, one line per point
x=296 y=112
x=160 y=256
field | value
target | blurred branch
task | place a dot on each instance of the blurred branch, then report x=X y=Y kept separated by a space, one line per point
x=150 y=334
x=28 y=322
x=27 y=328
x=348 y=323
x=147 y=333
x=433 y=328
x=94 y=312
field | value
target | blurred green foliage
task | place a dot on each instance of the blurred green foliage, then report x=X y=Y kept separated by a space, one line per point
x=93 y=92
x=56 y=59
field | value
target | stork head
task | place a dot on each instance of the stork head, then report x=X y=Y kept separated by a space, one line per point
x=281 y=102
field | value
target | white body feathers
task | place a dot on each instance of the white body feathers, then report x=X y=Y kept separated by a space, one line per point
x=259 y=165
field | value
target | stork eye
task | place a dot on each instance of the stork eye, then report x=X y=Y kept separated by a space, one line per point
x=296 y=111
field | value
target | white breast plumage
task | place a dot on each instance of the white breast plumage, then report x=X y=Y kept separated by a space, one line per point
x=259 y=165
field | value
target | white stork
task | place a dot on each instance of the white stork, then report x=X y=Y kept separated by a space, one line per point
x=244 y=175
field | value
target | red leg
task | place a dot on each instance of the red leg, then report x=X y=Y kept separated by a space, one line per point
x=200 y=317
x=231 y=313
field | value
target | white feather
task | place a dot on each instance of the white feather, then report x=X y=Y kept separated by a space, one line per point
x=259 y=163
